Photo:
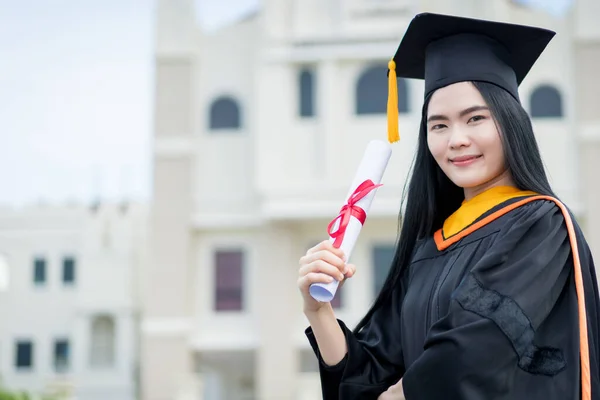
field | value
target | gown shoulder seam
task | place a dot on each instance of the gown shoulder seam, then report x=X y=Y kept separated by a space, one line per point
x=442 y=243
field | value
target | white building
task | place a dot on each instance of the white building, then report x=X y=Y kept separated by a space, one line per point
x=69 y=299
x=259 y=128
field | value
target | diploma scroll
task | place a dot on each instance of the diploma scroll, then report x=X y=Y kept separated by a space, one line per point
x=345 y=228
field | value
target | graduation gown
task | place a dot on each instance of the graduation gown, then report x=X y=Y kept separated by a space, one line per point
x=489 y=313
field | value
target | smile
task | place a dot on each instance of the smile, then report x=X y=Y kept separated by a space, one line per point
x=464 y=160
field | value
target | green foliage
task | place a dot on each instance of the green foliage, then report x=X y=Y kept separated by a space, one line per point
x=9 y=395
x=6 y=395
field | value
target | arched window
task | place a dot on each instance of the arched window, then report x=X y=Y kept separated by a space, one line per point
x=372 y=92
x=306 y=86
x=102 y=350
x=225 y=114
x=546 y=102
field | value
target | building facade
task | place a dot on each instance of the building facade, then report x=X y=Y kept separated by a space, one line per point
x=586 y=58
x=259 y=128
x=69 y=299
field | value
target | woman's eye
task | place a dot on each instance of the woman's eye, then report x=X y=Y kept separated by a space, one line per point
x=476 y=118
x=437 y=127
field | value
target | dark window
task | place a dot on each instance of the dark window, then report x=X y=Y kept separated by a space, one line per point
x=225 y=114
x=229 y=281
x=372 y=92
x=24 y=354
x=39 y=271
x=61 y=355
x=69 y=270
x=307 y=91
x=382 y=261
x=546 y=102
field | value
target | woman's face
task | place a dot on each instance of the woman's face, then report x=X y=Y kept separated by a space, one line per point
x=464 y=140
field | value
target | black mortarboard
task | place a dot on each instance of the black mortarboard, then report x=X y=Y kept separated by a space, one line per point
x=445 y=49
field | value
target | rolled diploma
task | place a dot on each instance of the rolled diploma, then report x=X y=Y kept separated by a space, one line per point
x=372 y=166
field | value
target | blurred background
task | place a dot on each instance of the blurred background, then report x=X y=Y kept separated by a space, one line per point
x=165 y=163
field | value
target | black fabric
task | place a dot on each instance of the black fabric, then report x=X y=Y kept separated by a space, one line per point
x=376 y=360
x=445 y=49
x=447 y=340
x=511 y=319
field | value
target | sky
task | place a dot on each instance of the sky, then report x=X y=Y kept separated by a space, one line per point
x=554 y=7
x=76 y=96
x=76 y=82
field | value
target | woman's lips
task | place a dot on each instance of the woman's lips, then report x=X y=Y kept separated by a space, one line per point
x=463 y=161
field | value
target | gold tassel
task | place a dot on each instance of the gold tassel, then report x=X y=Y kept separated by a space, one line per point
x=392 y=106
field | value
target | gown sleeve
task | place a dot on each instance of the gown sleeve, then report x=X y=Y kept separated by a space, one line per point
x=374 y=359
x=489 y=332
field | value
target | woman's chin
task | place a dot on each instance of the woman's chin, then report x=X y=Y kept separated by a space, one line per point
x=467 y=182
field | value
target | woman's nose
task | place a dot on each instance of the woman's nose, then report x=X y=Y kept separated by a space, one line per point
x=458 y=138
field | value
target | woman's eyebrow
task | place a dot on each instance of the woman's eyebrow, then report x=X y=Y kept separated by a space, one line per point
x=440 y=117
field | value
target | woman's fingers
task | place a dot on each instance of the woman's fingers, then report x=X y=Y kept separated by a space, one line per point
x=325 y=255
x=351 y=270
x=313 y=277
x=324 y=260
x=326 y=245
x=321 y=266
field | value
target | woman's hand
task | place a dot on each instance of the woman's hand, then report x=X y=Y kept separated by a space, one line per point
x=394 y=392
x=321 y=264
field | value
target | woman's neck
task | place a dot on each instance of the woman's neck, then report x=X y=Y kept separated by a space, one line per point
x=504 y=179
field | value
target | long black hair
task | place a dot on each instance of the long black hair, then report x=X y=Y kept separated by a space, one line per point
x=432 y=197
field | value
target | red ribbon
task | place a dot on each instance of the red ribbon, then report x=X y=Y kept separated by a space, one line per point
x=350 y=209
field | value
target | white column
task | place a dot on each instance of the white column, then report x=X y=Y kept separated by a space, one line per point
x=330 y=108
x=590 y=162
x=126 y=353
x=212 y=386
x=277 y=311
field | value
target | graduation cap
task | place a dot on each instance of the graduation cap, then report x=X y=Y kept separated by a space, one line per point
x=445 y=49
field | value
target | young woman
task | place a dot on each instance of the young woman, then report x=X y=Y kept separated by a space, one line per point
x=492 y=293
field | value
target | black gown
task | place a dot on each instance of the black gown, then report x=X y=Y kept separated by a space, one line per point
x=492 y=316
